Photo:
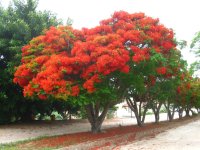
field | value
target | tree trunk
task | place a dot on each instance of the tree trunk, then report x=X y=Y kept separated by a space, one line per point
x=157 y=117
x=138 y=118
x=94 y=117
x=70 y=116
x=187 y=111
x=170 y=113
x=173 y=112
x=96 y=126
x=180 y=112
x=156 y=111
x=137 y=111
x=144 y=114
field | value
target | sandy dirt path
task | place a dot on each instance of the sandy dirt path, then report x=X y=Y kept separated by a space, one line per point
x=186 y=137
x=24 y=131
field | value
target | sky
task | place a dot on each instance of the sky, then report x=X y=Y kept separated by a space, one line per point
x=180 y=15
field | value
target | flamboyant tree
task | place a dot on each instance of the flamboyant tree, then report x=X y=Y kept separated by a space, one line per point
x=150 y=51
x=168 y=84
x=195 y=88
x=97 y=67
x=56 y=70
x=187 y=93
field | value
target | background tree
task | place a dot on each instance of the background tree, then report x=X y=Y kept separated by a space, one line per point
x=19 y=23
x=195 y=47
x=195 y=87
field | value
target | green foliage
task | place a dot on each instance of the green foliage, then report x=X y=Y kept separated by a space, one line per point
x=195 y=66
x=105 y=93
x=111 y=112
x=19 y=23
x=163 y=110
x=195 y=47
x=82 y=113
x=181 y=44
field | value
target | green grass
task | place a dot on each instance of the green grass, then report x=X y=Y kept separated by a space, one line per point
x=8 y=147
x=14 y=145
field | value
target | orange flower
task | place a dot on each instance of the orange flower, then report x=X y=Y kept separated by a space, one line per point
x=75 y=90
x=125 y=69
x=153 y=80
x=188 y=85
x=89 y=85
x=178 y=89
x=42 y=97
x=137 y=58
x=161 y=70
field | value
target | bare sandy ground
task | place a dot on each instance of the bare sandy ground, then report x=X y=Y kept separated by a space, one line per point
x=186 y=137
x=24 y=131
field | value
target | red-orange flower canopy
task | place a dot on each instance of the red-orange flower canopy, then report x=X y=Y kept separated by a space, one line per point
x=62 y=60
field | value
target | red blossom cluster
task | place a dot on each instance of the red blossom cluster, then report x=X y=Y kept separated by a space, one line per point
x=161 y=70
x=183 y=88
x=152 y=80
x=62 y=60
x=185 y=85
x=178 y=89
